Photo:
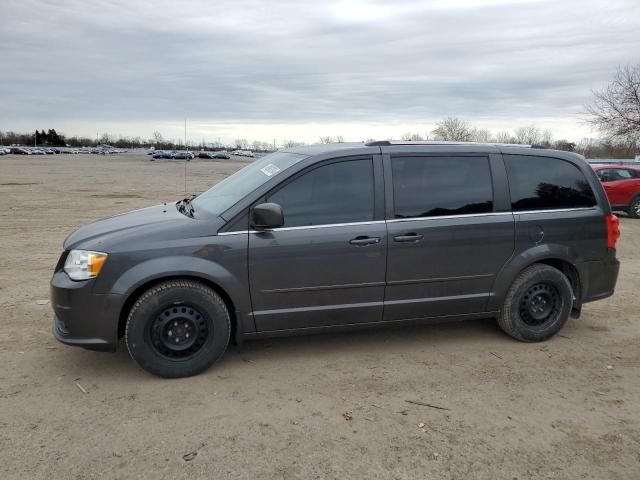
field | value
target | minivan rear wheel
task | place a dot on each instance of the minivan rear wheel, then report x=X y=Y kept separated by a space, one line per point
x=178 y=328
x=537 y=305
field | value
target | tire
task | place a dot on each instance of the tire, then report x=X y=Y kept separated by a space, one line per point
x=177 y=329
x=537 y=305
x=634 y=207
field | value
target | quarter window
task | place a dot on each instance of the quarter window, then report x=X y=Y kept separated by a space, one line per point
x=335 y=193
x=542 y=183
x=436 y=186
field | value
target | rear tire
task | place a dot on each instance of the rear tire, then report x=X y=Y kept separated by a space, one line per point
x=177 y=329
x=634 y=207
x=537 y=305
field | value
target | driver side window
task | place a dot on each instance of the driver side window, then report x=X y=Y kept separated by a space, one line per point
x=341 y=192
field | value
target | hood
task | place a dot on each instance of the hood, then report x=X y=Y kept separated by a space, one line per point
x=158 y=222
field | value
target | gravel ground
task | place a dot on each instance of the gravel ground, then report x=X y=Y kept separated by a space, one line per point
x=323 y=406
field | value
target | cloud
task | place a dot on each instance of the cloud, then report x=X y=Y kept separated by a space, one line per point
x=143 y=65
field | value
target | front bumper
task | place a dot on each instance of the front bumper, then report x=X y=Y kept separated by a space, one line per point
x=83 y=318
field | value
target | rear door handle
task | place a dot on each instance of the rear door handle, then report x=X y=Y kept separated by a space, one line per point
x=362 y=241
x=409 y=237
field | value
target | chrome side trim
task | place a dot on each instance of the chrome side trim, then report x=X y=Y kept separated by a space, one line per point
x=439 y=279
x=324 y=287
x=554 y=210
x=445 y=217
x=439 y=299
x=240 y=232
x=329 y=225
x=318 y=308
x=415 y=219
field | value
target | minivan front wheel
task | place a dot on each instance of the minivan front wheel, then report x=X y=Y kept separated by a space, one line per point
x=537 y=305
x=178 y=328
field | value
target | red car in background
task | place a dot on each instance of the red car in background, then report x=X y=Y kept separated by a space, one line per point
x=622 y=184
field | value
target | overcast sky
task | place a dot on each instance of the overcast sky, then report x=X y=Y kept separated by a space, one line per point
x=295 y=69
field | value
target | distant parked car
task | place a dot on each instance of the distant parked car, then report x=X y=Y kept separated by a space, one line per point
x=20 y=151
x=3 y=151
x=183 y=156
x=622 y=185
x=213 y=155
x=243 y=153
x=161 y=154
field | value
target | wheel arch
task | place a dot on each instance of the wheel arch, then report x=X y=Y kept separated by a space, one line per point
x=135 y=294
x=560 y=258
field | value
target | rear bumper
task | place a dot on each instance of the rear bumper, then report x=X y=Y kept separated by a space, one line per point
x=599 y=278
x=81 y=317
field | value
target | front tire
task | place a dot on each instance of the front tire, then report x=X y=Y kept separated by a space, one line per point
x=537 y=305
x=634 y=207
x=177 y=329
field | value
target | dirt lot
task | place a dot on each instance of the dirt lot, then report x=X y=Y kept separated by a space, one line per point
x=567 y=408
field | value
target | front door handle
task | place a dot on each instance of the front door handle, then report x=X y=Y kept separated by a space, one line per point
x=363 y=240
x=409 y=237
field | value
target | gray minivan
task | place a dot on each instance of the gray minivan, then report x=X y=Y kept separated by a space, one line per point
x=342 y=236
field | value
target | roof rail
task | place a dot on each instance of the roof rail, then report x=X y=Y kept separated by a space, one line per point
x=388 y=143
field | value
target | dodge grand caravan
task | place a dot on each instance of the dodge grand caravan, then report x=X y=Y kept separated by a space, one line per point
x=343 y=236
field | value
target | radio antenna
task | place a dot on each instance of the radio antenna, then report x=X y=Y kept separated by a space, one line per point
x=185 y=160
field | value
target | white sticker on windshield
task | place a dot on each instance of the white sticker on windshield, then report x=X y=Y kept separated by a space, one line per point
x=270 y=169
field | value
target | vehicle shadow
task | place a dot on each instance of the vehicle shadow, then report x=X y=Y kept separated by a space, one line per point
x=432 y=335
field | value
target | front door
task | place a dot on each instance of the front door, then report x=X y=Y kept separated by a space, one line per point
x=621 y=184
x=326 y=265
x=446 y=240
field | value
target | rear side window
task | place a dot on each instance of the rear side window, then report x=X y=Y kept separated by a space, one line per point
x=436 y=186
x=335 y=193
x=614 y=174
x=543 y=183
x=623 y=174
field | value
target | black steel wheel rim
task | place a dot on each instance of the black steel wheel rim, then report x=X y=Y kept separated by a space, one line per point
x=636 y=207
x=178 y=332
x=540 y=304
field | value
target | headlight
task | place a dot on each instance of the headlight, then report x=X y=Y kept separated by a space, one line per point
x=82 y=264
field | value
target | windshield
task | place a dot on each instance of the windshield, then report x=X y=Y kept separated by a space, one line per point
x=234 y=188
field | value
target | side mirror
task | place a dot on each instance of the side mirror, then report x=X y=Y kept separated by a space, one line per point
x=266 y=216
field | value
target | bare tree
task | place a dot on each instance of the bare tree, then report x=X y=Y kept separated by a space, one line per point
x=529 y=135
x=291 y=144
x=564 y=145
x=616 y=109
x=339 y=139
x=481 y=135
x=326 y=140
x=411 y=137
x=157 y=137
x=547 y=137
x=454 y=129
x=504 y=137
x=107 y=138
x=241 y=144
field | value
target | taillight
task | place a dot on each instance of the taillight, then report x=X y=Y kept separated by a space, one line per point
x=613 y=230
